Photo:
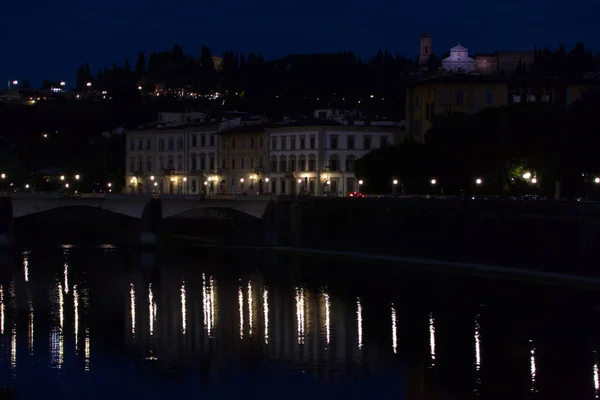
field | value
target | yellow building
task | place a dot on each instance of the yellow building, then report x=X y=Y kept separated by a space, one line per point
x=243 y=155
x=466 y=94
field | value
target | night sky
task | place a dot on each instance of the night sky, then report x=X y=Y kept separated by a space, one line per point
x=45 y=39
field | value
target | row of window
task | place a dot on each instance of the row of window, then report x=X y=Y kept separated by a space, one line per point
x=242 y=164
x=282 y=142
x=303 y=164
x=244 y=143
x=171 y=144
x=197 y=163
x=459 y=98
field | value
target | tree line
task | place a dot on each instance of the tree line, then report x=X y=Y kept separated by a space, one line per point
x=301 y=83
x=525 y=148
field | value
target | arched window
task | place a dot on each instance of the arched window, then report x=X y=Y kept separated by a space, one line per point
x=202 y=161
x=180 y=162
x=161 y=162
x=171 y=163
x=283 y=164
x=149 y=164
x=350 y=161
x=140 y=167
x=302 y=162
x=211 y=161
x=273 y=164
x=194 y=161
x=312 y=163
x=292 y=163
x=334 y=162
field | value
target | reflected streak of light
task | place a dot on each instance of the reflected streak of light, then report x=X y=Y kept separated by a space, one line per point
x=300 y=314
x=61 y=349
x=596 y=380
x=432 y=338
x=212 y=305
x=13 y=348
x=26 y=266
x=76 y=315
x=532 y=367
x=86 y=349
x=241 y=304
x=327 y=318
x=394 y=330
x=61 y=308
x=208 y=298
x=477 y=344
x=266 y=314
x=183 y=309
x=250 y=313
x=31 y=326
x=151 y=309
x=66 y=274
x=359 y=320
x=2 y=307
x=132 y=303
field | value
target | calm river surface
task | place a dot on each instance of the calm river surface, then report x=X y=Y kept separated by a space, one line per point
x=96 y=323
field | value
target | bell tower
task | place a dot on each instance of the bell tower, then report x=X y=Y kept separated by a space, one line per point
x=425 y=50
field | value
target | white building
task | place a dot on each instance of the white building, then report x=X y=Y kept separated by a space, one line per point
x=459 y=60
x=174 y=160
x=179 y=118
x=319 y=160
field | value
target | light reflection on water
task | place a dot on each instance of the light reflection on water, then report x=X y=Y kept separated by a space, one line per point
x=311 y=328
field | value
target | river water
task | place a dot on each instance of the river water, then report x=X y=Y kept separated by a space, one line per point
x=95 y=323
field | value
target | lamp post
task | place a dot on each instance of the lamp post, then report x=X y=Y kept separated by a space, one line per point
x=394 y=187
x=268 y=185
x=360 y=183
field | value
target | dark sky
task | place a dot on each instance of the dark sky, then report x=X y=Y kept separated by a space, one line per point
x=47 y=39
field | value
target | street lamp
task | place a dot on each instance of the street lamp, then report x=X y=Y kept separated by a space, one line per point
x=62 y=83
x=77 y=177
x=109 y=184
x=433 y=182
x=395 y=181
x=527 y=175
x=534 y=180
x=89 y=84
x=15 y=82
x=152 y=178
x=67 y=185
x=597 y=180
x=3 y=176
x=478 y=181
x=242 y=180
x=62 y=177
x=27 y=186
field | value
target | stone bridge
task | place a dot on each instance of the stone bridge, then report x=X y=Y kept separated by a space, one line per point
x=149 y=210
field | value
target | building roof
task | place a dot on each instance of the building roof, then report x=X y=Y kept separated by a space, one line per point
x=459 y=48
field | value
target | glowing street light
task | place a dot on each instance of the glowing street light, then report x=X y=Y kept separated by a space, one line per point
x=139 y=88
x=597 y=180
x=184 y=179
x=62 y=177
x=67 y=185
x=77 y=177
x=205 y=183
x=27 y=186
x=527 y=175
x=109 y=184
x=45 y=135
x=433 y=181
x=266 y=179
x=242 y=180
x=155 y=183
x=328 y=183
x=15 y=82
x=299 y=180
x=478 y=181
x=3 y=176
x=89 y=84
x=395 y=181
x=152 y=178
x=62 y=83
x=360 y=182
x=534 y=180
